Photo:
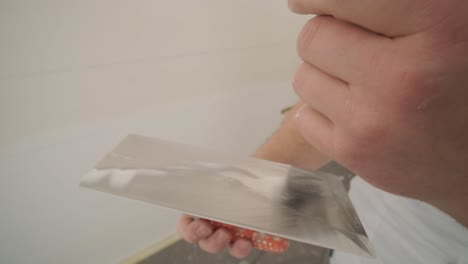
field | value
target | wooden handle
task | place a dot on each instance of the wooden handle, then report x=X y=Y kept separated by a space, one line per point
x=259 y=240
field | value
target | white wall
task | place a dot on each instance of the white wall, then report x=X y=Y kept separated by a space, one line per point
x=64 y=62
x=78 y=75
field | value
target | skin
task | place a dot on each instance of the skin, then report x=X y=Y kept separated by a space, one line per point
x=384 y=85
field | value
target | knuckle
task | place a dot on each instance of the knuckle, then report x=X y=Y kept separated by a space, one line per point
x=308 y=34
x=210 y=246
x=215 y=242
x=375 y=66
x=190 y=232
x=205 y=247
x=193 y=227
x=369 y=129
x=348 y=151
x=410 y=77
x=189 y=238
x=299 y=79
x=239 y=253
x=363 y=133
x=413 y=84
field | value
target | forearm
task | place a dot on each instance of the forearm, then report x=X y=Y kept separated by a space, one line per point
x=286 y=145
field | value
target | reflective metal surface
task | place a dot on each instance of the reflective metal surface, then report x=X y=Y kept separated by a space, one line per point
x=307 y=206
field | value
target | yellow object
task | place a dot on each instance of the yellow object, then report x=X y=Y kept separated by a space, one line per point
x=145 y=253
x=287 y=109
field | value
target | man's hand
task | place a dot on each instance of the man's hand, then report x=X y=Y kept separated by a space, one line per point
x=209 y=240
x=386 y=88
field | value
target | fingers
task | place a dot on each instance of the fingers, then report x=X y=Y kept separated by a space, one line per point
x=212 y=242
x=391 y=18
x=322 y=92
x=240 y=249
x=342 y=50
x=316 y=129
x=216 y=242
x=192 y=231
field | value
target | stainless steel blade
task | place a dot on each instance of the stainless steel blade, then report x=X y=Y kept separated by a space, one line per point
x=307 y=206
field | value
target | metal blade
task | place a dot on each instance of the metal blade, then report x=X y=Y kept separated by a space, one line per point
x=308 y=206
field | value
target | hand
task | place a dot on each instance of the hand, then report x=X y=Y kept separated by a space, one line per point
x=386 y=88
x=209 y=240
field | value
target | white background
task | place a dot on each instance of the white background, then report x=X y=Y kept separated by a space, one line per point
x=76 y=76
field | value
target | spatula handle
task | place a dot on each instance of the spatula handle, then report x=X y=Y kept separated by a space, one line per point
x=259 y=240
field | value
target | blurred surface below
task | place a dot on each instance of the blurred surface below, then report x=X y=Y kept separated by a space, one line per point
x=182 y=252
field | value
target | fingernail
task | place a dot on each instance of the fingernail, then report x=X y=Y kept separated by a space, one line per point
x=244 y=245
x=203 y=231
